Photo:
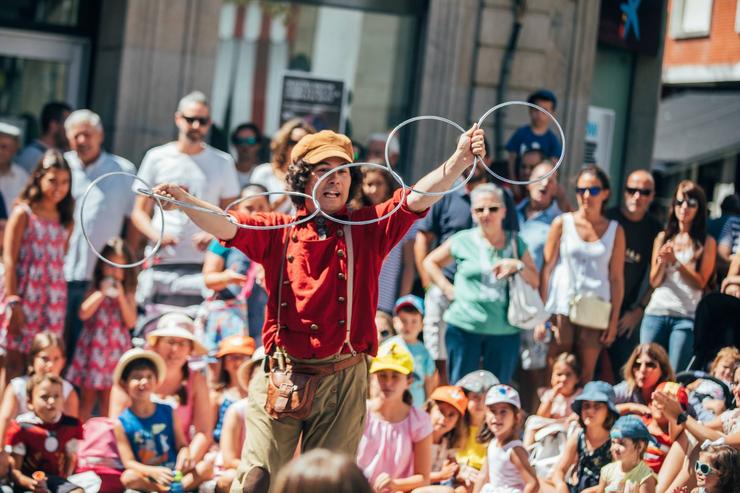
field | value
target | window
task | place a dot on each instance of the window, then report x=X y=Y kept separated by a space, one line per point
x=371 y=51
x=691 y=18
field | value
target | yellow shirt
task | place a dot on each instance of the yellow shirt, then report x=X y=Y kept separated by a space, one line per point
x=616 y=479
x=473 y=453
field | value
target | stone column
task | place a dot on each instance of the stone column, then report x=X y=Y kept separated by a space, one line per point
x=150 y=54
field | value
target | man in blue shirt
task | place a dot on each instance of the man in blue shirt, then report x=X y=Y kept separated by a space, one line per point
x=536 y=135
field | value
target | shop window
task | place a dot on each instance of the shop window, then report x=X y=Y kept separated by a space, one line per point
x=370 y=51
x=691 y=18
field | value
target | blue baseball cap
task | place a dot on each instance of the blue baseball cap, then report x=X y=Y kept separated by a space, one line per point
x=632 y=427
x=543 y=94
x=409 y=300
x=596 y=391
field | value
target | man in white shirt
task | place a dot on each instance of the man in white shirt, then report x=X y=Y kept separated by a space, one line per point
x=107 y=210
x=12 y=177
x=209 y=174
x=53 y=135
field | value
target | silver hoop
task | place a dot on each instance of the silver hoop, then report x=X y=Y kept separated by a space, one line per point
x=557 y=124
x=274 y=226
x=155 y=249
x=429 y=117
x=395 y=176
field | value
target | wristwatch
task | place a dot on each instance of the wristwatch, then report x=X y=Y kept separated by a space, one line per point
x=681 y=418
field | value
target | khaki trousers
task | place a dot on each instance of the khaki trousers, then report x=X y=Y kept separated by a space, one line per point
x=336 y=421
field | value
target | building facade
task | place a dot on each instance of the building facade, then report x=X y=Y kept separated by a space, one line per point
x=131 y=60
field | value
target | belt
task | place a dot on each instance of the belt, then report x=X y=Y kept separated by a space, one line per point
x=322 y=369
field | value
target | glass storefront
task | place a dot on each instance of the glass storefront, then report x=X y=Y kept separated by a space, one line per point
x=371 y=52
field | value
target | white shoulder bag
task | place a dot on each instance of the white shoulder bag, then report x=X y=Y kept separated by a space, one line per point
x=526 y=309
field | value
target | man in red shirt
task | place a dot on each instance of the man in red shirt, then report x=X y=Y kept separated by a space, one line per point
x=322 y=282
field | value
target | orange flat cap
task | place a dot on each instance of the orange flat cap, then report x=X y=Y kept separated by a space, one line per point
x=315 y=148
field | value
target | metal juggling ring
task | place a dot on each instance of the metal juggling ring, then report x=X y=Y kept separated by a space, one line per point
x=429 y=117
x=92 y=185
x=557 y=124
x=326 y=175
x=149 y=191
x=273 y=226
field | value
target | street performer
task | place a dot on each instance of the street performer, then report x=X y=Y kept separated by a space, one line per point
x=322 y=282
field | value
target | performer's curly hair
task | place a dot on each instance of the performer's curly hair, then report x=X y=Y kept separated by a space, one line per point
x=299 y=174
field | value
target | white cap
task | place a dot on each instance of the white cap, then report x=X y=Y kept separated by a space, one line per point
x=503 y=393
x=10 y=130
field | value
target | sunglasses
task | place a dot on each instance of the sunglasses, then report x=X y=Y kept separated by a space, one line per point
x=703 y=468
x=645 y=192
x=490 y=210
x=692 y=203
x=203 y=120
x=592 y=191
x=245 y=141
x=648 y=364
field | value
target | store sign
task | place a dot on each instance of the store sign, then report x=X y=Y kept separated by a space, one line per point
x=634 y=25
x=321 y=102
x=599 y=136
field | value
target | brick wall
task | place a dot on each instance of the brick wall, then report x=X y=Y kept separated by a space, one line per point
x=722 y=46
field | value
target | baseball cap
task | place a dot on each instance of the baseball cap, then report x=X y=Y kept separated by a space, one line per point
x=632 y=427
x=409 y=300
x=503 y=393
x=596 y=391
x=315 y=148
x=10 y=130
x=478 y=381
x=393 y=356
x=236 y=344
x=452 y=395
x=543 y=94
x=677 y=390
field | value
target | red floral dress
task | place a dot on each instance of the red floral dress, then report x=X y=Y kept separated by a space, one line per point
x=40 y=282
x=103 y=340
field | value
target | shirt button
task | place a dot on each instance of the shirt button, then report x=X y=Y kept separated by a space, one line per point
x=340 y=299
x=295 y=238
x=286 y=282
x=290 y=258
x=340 y=233
x=341 y=276
x=314 y=327
x=284 y=305
x=342 y=322
x=283 y=327
x=340 y=253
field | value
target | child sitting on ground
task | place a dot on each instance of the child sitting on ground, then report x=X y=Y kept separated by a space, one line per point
x=150 y=439
x=717 y=470
x=590 y=448
x=446 y=407
x=555 y=403
x=628 y=473
x=408 y=323
x=395 y=450
x=44 y=440
x=506 y=468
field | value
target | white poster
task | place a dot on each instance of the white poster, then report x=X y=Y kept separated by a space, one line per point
x=599 y=136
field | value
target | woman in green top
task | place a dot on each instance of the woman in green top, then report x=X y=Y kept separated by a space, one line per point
x=477 y=324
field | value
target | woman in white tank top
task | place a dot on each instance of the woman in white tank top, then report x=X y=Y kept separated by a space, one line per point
x=682 y=264
x=584 y=254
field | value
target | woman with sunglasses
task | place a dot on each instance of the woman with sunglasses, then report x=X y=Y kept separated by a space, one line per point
x=682 y=265
x=477 y=323
x=584 y=263
x=647 y=367
x=272 y=175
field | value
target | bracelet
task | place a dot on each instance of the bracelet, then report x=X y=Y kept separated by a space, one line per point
x=13 y=300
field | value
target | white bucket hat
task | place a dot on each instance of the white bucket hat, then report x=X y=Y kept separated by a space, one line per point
x=176 y=324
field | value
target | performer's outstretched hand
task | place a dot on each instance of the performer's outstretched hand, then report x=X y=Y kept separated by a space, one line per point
x=172 y=191
x=472 y=143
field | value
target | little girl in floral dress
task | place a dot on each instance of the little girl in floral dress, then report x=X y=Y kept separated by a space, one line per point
x=33 y=296
x=108 y=312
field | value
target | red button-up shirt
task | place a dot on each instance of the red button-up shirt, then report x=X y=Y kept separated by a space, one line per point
x=313 y=315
